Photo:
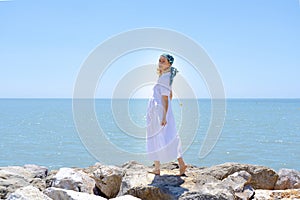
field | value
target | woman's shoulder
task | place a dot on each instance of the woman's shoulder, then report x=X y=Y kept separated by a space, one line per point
x=165 y=75
x=164 y=78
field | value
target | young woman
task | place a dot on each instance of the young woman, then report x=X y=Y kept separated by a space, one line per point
x=163 y=142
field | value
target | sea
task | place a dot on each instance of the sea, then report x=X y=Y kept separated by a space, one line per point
x=44 y=132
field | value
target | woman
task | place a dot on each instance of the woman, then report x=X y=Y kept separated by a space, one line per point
x=163 y=142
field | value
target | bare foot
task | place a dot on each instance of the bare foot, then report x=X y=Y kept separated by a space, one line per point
x=155 y=171
x=182 y=170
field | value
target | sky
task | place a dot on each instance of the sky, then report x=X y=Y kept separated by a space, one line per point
x=254 y=44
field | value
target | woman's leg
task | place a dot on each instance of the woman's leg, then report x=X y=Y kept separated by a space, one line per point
x=182 y=166
x=157 y=167
x=156 y=170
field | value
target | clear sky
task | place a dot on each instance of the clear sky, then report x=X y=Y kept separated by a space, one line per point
x=254 y=44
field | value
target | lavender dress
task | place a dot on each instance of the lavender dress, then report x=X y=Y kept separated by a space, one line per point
x=163 y=142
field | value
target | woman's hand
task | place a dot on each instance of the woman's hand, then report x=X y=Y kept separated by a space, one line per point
x=163 y=122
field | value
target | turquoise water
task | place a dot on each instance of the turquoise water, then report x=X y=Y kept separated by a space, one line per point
x=256 y=131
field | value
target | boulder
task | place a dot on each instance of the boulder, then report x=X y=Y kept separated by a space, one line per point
x=126 y=197
x=239 y=183
x=37 y=171
x=59 y=194
x=72 y=179
x=261 y=177
x=277 y=194
x=15 y=177
x=108 y=180
x=27 y=193
x=205 y=195
x=288 y=179
x=138 y=182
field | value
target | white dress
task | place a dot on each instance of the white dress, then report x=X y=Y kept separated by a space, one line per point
x=163 y=142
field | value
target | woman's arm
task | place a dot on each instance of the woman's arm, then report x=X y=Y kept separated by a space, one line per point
x=171 y=95
x=165 y=104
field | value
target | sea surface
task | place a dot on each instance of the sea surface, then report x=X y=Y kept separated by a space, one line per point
x=256 y=131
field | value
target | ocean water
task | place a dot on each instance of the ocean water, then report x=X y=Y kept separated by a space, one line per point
x=256 y=131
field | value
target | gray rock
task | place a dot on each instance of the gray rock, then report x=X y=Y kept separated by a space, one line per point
x=108 y=180
x=72 y=179
x=138 y=182
x=262 y=177
x=237 y=181
x=37 y=171
x=126 y=197
x=247 y=193
x=27 y=193
x=288 y=179
x=15 y=177
x=59 y=194
x=292 y=194
x=207 y=196
x=168 y=185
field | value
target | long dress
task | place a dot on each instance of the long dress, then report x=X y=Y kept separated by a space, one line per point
x=163 y=142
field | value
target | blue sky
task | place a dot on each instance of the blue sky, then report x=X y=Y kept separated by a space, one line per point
x=254 y=44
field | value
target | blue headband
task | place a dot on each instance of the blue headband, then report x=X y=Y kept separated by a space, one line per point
x=169 y=57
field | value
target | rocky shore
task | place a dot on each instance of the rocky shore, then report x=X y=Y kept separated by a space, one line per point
x=132 y=181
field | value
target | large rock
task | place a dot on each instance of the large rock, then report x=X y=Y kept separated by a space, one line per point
x=216 y=195
x=288 y=179
x=108 y=180
x=168 y=185
x=27 y=193
x=15 y=177
x=59 y=194
x=261 y=177
x=137 y=182
x=291 y=194
x=73 y=179
x=37 y=171
x=239 y=183
x=126 y=197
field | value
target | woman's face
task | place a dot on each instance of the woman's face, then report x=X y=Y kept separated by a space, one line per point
x=163 y=63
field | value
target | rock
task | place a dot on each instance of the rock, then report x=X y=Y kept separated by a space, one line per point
x=15 y=177
x=37 y=171
x=72 y=179
x=139 y=183
x=149 y=192
x=59 y=194
x=108 y=180
x=277 y=194
x=10 y=182
x=216 y=195
x=247 y=193
x=239 y=183
x=27 y=193
x=288 y=179
x=262 y=177
x=126 y=197
x=50 y=178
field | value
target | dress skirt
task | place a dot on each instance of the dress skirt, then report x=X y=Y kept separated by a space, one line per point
x=163 y=142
